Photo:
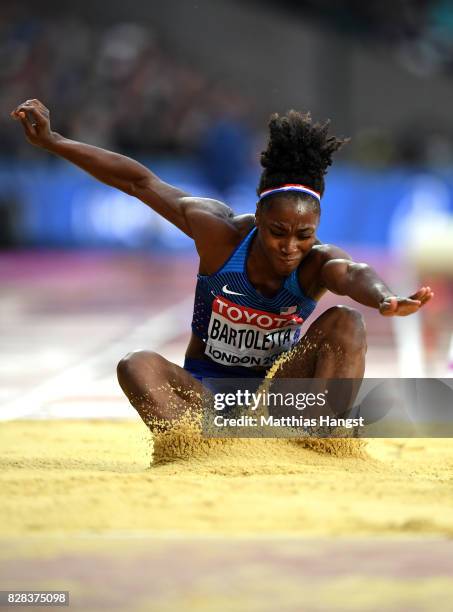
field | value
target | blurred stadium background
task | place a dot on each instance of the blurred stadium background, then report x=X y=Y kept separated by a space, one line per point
x=88 y=274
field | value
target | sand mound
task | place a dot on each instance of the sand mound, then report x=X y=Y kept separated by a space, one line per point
x=339 y=447
x=76 y=477
x=184 y=440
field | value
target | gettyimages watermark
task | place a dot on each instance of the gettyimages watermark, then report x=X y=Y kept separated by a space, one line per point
x=291 y=408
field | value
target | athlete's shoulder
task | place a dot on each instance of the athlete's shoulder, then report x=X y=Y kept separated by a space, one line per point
x=325 y=252
x=211 y=223
x=311 y=266
x=233 y=229
x=211 y=218
x=207 y=206
x=216 y=246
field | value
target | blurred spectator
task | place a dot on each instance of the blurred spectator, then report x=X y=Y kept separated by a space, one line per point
x=117 y=87
x=112 y=86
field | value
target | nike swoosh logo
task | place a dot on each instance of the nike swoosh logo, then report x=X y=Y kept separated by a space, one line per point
x=226 y=290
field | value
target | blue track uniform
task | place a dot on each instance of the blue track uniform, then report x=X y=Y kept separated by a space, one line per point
x=242 y=329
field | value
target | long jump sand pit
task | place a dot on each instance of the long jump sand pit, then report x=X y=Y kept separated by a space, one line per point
x=66 y=477
x=228 y=526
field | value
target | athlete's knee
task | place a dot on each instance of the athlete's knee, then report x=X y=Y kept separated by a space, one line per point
x=135 y=364
x=345 y=326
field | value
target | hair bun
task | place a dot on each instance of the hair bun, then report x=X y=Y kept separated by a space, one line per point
x=298 y=151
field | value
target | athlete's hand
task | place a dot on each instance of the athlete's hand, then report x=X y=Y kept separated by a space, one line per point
x=34 y=117
x=401 y=307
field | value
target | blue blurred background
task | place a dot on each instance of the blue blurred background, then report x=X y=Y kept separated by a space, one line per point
x=187 y=89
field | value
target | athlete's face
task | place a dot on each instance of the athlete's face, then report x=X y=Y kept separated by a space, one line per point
x=287 y=232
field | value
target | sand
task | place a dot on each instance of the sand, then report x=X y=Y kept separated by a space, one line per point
x=72 y=477
x=256 y=524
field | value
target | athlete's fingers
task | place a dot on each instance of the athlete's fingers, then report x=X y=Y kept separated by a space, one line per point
x=34 y=117
x=420 y=294
x=410 y=302
x=39 y=105
x=32 y=101
x=35 y=113
x=407 y=307
x=427 y=298
x=37 y=116
x=388 y=306
x=27 y=117
x=29 y=127
x=28 y=106
x=424 y=295
x=15 y=113
x=394 y=306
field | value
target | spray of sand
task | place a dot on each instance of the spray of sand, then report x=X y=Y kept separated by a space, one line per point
x=183 y=438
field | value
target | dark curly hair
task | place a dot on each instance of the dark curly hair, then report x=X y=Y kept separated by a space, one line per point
x=298 y=151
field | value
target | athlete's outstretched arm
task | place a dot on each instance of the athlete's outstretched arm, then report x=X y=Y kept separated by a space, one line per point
x=118 y=171
x=360 y=282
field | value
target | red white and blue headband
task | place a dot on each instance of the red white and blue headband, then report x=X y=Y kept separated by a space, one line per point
x=291 y=187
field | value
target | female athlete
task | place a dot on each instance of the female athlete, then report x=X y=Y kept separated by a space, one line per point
x=260 y=276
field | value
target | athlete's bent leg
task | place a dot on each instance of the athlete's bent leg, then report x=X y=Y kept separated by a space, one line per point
x=333 y=347
x=158 y=389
